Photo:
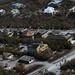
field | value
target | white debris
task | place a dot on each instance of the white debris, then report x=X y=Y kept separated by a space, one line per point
x=49 y=10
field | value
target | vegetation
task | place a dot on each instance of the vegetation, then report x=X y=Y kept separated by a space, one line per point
x=44 y=55
x=49 y=73
x=68 y=65
x=6 y=72
x=18 y=70
x=45 y=73
x=55 y=44
x=59 y=21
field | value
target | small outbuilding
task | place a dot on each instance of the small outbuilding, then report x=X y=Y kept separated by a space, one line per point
x=26 y=59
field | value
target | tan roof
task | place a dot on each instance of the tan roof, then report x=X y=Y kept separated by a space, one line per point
x=30 y=33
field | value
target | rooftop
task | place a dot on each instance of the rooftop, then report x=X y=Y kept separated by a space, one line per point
x=34 y=45
x=26 y=58
x=55 y=2
x=30 y=32
x=42 y=31
x=17 y=4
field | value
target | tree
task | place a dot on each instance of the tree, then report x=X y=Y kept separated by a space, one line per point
x=49 y=73
x=46 y=73
x=20 y=68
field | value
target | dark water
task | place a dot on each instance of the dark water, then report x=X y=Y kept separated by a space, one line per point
x=2 y=1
